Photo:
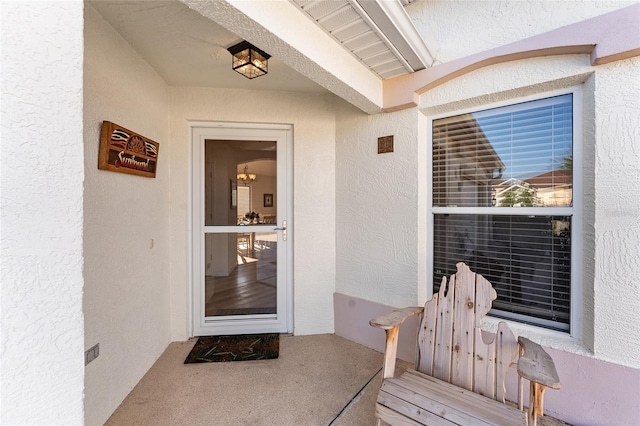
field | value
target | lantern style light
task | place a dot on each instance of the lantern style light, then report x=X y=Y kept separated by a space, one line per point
x=248 y=60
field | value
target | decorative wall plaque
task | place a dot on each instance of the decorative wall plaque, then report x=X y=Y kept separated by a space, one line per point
x=385 y=144
x=124 y=151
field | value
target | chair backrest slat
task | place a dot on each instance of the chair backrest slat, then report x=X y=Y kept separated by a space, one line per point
x=463 y=329
x=484 y=374
x=450 y=340
x=444 y=332
x=427 y=334
x=506 y=352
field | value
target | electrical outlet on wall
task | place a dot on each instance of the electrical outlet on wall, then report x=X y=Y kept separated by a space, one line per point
x=91 y=353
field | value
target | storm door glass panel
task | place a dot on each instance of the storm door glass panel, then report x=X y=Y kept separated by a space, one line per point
x=240 y=278
x=240 y=247
x=237 y=176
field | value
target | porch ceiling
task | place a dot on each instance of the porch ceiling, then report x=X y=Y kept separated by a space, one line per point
x=378 y=33
x=187 y=49
x=347 y=47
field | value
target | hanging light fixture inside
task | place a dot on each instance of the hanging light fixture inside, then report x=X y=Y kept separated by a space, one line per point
x=246 y=177
x=248 y=60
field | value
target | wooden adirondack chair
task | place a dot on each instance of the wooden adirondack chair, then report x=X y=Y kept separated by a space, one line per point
x=458 y=376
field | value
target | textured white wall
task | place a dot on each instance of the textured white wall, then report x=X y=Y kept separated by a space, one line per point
x=611 y=169
x=617 y=212
x=313 y=119
x=611 y=216
x=461 y=28
x=126 y=296
x=41 y=164
x=608 y=357
x=376 y=207
x=611 y=159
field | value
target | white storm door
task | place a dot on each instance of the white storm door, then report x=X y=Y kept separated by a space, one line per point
x=241 y=260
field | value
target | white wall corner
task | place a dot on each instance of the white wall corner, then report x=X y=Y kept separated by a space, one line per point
x=617 y=222
x=376 y=204
x=41 y=194
x=127 y=250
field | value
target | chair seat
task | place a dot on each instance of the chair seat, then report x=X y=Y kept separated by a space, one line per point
x=427 y=400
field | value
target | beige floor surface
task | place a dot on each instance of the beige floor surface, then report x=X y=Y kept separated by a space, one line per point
x=317 y=380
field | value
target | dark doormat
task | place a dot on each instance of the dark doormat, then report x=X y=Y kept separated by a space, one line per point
x=245 y=347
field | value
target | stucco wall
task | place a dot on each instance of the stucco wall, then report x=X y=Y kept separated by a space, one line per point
x=617 y=212
x=610 y=169
x=605 y=346
x=126 y=295
x=313 y=120
x=611 y=159
x=603 y=354
x=377 y=201
x=608 y=334
x=41 y=161
x=453 y=27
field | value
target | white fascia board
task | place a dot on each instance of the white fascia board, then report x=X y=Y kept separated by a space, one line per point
x=394 y=22
x=278 y=28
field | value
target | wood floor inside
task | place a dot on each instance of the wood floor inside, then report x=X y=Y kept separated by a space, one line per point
x=251 y=288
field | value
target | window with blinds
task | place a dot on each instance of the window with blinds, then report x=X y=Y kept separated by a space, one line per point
x=502 y=202
x=244 y=200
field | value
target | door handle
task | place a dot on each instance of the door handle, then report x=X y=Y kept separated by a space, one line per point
x=283 y=229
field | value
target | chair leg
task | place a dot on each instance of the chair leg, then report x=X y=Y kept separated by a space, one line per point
x=390 y=351
x=536 y=402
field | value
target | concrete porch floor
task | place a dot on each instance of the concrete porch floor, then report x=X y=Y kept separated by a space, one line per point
x=317 y=380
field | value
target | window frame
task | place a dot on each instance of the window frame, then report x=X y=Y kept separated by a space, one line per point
x=575 y=211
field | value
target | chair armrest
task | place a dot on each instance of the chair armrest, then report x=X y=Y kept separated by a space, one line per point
x=390 y=323
x=395 y=318
x=536 y=365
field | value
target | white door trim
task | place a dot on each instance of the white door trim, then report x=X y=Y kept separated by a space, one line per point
x=283 y=320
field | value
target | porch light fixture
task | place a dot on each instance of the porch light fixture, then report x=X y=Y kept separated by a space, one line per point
x=248 y=60
x=246 y=177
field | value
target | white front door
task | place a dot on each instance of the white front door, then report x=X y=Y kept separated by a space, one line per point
x=242 y=223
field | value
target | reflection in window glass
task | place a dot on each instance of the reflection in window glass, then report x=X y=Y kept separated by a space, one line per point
x=515 y=156
x=504 y=159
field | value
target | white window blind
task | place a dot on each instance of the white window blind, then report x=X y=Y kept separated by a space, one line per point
x=502 y=203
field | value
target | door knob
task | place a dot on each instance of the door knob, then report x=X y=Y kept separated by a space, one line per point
x=283 y=229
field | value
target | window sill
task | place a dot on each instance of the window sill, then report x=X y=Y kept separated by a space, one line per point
x=550 y=338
